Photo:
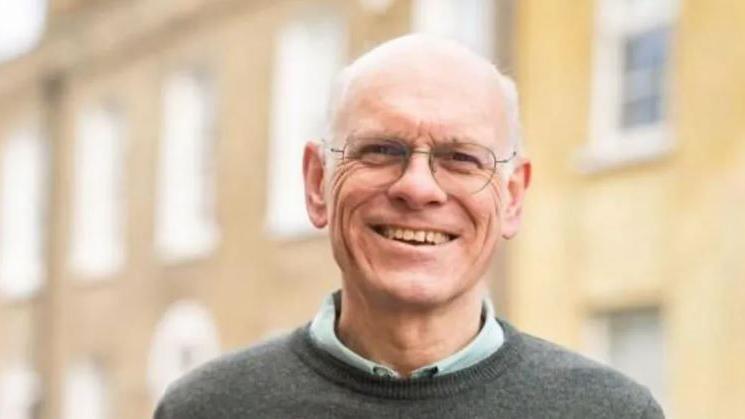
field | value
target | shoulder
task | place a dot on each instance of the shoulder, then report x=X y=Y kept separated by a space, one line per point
x=554 y=362
x=230 y=381
x=572 y=378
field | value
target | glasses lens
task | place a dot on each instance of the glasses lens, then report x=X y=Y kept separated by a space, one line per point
x=463 y=167
x=457 y=167
x=376 y=152
x=382 y=160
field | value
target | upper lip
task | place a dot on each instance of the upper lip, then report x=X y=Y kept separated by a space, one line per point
x=450 y=233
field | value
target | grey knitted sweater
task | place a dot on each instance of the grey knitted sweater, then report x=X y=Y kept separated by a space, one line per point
x=527 y=378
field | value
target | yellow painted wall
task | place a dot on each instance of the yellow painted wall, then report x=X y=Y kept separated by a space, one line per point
x=669 y=233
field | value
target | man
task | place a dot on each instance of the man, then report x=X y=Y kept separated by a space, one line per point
x=420 y=180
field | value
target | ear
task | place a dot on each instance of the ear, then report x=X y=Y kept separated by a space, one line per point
x=517 y=184
x=313 y=174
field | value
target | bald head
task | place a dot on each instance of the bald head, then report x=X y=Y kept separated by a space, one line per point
x=428 y=66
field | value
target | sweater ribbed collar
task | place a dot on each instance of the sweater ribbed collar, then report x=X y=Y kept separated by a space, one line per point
x=359 y=381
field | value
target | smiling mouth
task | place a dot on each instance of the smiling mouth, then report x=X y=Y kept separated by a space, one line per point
x=414 y=237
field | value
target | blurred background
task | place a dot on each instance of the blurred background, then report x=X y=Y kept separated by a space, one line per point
x=152 y=215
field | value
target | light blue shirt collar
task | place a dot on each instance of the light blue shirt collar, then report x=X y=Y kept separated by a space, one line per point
x=489 y=339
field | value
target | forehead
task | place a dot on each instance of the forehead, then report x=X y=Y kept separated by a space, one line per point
x=424 y=104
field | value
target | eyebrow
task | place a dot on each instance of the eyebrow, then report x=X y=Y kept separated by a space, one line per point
x=408 y=136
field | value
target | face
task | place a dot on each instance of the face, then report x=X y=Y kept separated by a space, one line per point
x=409 y=241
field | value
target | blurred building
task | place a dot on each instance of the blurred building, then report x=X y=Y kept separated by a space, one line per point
x=151 y=210
x=151 y=205
x=632 y=247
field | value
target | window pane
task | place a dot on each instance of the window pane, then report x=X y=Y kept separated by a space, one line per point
x=645 y=57
x=19 y=392
x=185 y=212
x=636 y=347
x=646 y=49
x=641 y=84
x=185 y=337
x=632 y=342
x=21 y=26
x=643 y=111
x=85 y=393
x=97 y=247
x=309 y=53
x=471 y=22
x=21 y=214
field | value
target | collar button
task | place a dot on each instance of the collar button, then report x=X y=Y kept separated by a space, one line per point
x=381 y=372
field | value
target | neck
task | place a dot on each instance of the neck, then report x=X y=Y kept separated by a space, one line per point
x=406 y=339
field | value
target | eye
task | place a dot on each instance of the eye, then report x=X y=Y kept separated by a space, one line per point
x=464 y=158
x=460 y=160
x=376 y=152
x=386 y=149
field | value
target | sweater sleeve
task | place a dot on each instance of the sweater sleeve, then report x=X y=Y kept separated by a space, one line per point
x=175 y=405
x=652 y=411
x=160 y=412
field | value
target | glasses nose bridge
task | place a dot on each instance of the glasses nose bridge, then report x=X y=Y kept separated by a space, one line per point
x=417 y=186
x=428 y=153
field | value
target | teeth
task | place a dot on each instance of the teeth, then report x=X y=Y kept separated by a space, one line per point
x=419 y=236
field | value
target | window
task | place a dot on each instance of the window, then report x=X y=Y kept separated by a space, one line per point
x=185 y=213
x=376 y=6
x=21 y=26
x=22 y=203
x=632 y=342
x=630 y=88
x=471 y=22
x=98 y=213
x=85 y=393
x=184 y=338
x=645 y=56
x=309 y=53
x=19 y=392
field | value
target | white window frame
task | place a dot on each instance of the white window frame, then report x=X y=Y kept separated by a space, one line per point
x=22 y=213
x=20 y=391
x=22 y=27
x=471 y=22
x=304 y=70
x=99 y=209
x=610 y=145
x=377 y=7
x=86 y=392
x=598 y=345
x=185 y=222
x=186 y=325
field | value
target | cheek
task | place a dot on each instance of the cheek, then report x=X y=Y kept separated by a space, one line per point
x=348 y=192
x=341 y=182
x=497 y=194
x=485 y=208
x=348 y=195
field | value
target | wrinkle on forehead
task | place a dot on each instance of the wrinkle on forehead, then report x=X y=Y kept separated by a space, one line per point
x=427 y=70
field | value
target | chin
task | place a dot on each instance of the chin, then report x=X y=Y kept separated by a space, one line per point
x=418 y=290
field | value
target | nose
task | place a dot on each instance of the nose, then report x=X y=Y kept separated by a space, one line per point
x=417 y=187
